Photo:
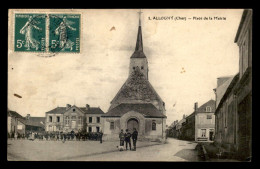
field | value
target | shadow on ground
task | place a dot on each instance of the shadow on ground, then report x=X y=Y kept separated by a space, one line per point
x=189 y=155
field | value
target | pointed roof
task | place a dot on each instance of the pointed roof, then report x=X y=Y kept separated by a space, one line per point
x=138 y=53
x=211 y=103
x=136 y=88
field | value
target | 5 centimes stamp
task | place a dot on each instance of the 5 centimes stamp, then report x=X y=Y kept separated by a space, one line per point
x=64 y=33
x=30 y=34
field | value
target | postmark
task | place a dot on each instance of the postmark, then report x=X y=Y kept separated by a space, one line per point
x=30 y=32
x=64 y=33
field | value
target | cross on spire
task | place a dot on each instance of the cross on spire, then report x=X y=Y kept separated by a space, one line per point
x=139 y=42
x=140 y=12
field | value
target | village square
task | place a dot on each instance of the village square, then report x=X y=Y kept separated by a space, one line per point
x=137 y=125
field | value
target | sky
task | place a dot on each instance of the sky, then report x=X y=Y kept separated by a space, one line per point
x=205 y=49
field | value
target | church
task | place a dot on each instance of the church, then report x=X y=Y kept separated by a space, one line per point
x=136 y=105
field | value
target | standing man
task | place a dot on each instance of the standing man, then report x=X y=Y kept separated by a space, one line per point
x=134 y=137
x=122 y=137
x=127 y=139
x=100 y=136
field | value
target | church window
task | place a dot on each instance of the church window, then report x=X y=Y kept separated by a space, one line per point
x=153 y=125
x=112 y=125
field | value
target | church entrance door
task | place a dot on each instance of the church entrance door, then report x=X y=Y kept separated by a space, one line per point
x=131 y=124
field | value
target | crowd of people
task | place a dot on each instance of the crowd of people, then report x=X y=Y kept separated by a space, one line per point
x=125 y=138
x=56 y=136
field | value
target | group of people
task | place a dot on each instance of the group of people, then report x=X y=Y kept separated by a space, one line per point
x=126 y=138
x=55 y=136
x=19 y=136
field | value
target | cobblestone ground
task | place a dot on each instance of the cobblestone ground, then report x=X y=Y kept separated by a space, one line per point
x=173 y=150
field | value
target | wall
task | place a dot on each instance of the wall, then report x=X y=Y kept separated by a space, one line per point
x=226 y=123
x=20 y=127
x=109 y=134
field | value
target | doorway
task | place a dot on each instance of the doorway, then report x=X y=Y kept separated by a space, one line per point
x=131 y=124
x=211 y=133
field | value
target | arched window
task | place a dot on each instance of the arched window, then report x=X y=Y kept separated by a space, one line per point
x=153 y=125
x=142 y=67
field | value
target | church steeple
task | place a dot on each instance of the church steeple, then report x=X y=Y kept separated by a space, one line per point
x=138 y=58
x=138 y=53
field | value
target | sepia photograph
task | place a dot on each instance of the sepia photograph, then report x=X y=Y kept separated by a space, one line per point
x=141 y=85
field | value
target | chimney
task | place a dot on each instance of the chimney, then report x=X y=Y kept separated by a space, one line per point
x=68 y=106
x=87 y=106
x=27 y=116
x=184 y=116
x=196 y=106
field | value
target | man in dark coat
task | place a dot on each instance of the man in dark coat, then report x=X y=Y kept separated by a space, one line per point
x=134 y=137
x=122 y=137
x=127 y=139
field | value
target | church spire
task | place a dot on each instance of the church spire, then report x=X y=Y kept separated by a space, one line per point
x=139 y=42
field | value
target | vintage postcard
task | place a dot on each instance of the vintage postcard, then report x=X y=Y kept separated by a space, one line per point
x=130 y=85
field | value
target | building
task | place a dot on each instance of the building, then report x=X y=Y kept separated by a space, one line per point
x=199 y=126
x=74 y=118
x=93 y=119
x=243 y=90
x=137 y=104
x=205 y=121
x=15 y=123
x=172 y=130
x=34 y=124
x=226 y=116
x=234 y=112
x=188 y=128
x=20 y=125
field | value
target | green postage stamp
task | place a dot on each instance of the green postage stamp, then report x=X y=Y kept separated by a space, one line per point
x=64 y=32
x=47 y=33
x=30 y=33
